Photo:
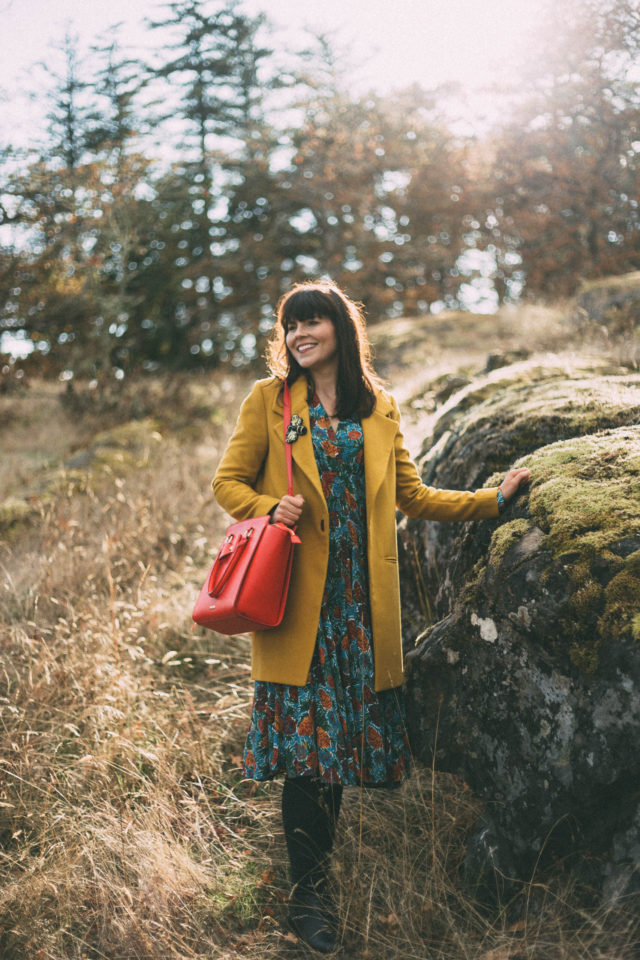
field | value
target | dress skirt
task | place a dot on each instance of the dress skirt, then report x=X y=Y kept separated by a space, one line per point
x=335 y=727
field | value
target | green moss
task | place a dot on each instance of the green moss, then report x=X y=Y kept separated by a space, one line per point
x=537 y=405
x=585 y=496
x=14 y=510
x=585 y=491
x=14 y=514
x=622 y=607
x=238 y=893
x=473 y=581
x=587 y=601
x=133 y=439
x=506 y=536
x=113 y=452
x=585 y=656
x=586 y=606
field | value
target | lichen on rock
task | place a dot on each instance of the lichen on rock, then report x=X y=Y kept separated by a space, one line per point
x=527 y=682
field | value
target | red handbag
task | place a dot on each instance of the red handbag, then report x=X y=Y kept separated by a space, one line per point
x=248 y=583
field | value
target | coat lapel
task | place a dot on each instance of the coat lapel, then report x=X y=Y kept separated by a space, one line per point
x=302 y=448
x=379 y=430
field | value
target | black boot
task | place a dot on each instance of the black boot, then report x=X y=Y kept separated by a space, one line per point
x=311 y=919
x=310 y=810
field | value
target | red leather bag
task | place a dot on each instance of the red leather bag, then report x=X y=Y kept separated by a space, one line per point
x=247 y=586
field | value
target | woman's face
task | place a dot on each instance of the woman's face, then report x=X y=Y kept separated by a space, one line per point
x=313 y=343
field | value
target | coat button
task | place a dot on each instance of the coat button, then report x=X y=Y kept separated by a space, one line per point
x=322 y=524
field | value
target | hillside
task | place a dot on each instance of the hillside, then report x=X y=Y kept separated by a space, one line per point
x=127 y=830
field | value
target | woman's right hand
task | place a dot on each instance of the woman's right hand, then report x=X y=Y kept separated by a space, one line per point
x=288 y=510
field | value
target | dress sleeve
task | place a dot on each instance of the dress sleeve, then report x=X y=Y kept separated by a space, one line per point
x=416 y=499
x=234 y=484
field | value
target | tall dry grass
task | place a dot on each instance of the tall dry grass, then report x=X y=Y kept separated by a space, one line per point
x=127 y=830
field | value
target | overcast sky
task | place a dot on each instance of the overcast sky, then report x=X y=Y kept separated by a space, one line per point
x=402 y=41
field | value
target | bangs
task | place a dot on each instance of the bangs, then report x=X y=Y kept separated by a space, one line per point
x=308 y=305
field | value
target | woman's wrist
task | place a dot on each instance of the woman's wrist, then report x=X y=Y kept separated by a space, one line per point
x=502 y=503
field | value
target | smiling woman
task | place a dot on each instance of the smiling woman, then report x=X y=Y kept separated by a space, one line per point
x=328 y=707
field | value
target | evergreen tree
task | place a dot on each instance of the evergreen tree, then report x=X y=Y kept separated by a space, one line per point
x=54 y=208
x=214 y=65
x=77 y=215
x=116 y=92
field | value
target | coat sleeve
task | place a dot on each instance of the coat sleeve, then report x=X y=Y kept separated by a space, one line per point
x=416 y=499
x=234 y=484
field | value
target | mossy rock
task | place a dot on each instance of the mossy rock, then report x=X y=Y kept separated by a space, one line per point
x=487 y=427
x=529 y=688
x=612 y=303
x=519 y=408
x=119 y=449
x=15 y=512
x=114 y=452
x=400 y=343
x=585 y=500
x=586 y=492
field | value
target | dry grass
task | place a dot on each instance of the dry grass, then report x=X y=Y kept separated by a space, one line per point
x=127 y=830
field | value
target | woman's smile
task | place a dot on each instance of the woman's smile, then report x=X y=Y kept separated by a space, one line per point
x=313 y=342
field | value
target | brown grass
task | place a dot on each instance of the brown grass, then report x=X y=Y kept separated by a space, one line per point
x=127 y=829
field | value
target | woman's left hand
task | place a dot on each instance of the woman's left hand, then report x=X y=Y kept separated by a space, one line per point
x=514 y=479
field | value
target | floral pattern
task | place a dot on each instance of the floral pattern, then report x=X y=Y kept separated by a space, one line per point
x=335 y=727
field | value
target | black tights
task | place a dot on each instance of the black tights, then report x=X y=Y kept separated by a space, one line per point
x=310 y=810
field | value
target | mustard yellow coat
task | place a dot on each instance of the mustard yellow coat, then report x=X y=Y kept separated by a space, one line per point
x=251 y=479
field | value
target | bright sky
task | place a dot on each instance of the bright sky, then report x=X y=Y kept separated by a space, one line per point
x=403 y=41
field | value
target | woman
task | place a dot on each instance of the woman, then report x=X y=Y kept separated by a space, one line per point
x=328 y=708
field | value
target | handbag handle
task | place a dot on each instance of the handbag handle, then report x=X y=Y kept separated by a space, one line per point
x=218 y=577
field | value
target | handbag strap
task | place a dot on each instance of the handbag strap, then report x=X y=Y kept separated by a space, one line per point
x=219 y=576
x=287 y=446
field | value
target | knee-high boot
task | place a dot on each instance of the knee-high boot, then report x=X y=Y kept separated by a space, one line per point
x=310 y=811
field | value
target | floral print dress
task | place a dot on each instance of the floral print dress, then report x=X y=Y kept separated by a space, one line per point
x=335 y=727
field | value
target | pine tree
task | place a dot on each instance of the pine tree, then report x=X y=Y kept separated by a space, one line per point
x=76 y=204
x=214 y=67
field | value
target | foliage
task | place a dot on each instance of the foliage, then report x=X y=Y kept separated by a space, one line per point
x=564 y=173
x=169 y=204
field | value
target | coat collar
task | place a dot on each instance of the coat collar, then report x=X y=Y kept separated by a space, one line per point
x=379 y=432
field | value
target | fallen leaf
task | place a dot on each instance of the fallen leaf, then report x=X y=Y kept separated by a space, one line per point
x=391 y=920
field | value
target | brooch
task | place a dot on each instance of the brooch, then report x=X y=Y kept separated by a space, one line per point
x=295 y=429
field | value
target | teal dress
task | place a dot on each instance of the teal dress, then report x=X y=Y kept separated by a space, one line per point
x=335 y=727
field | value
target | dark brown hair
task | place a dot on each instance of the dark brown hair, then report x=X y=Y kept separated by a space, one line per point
x=357 y=380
